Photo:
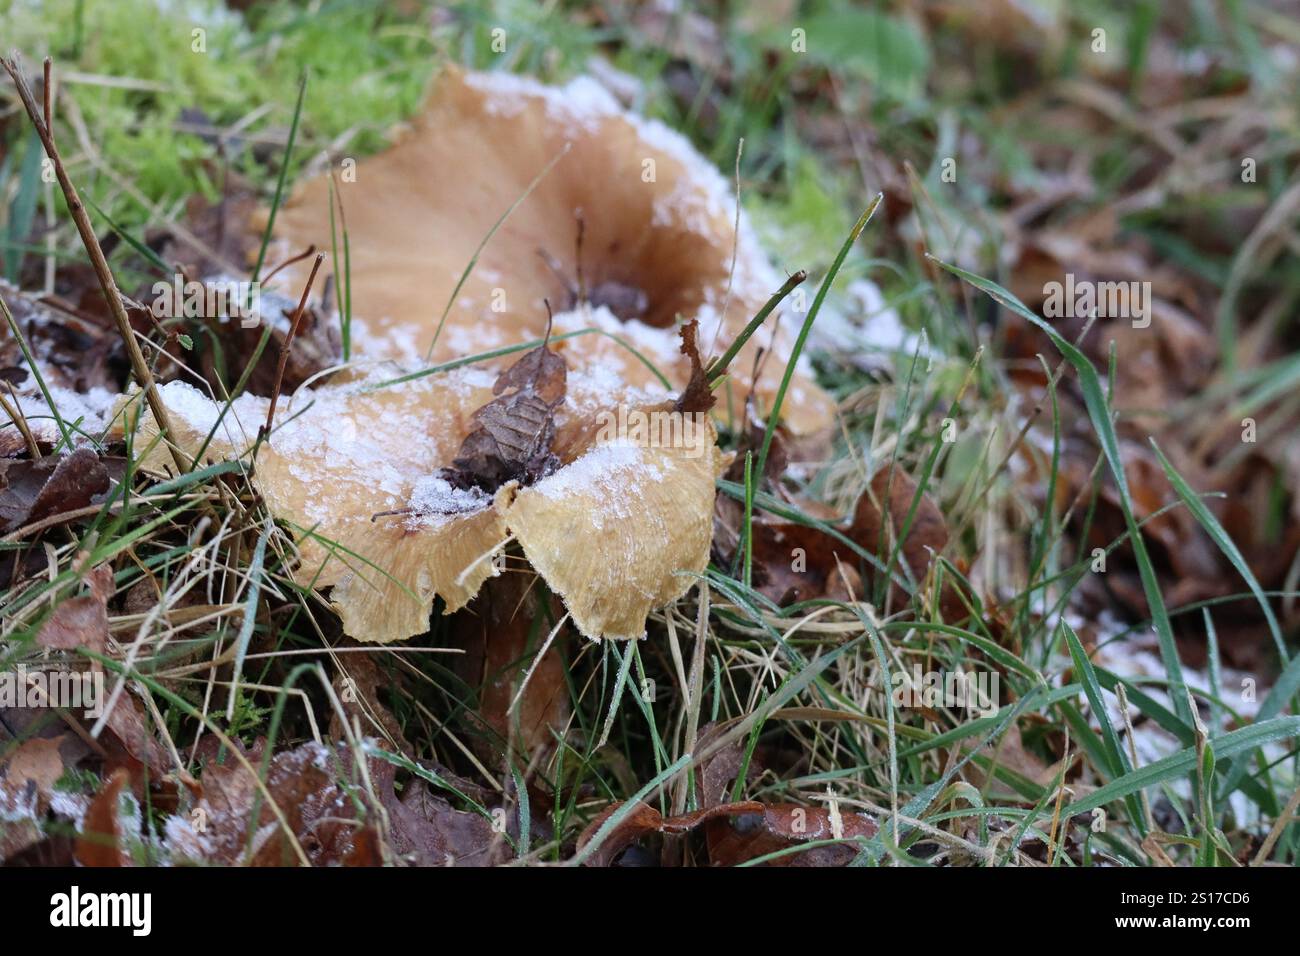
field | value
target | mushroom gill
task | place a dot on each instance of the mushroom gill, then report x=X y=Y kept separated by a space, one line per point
x=629 y=230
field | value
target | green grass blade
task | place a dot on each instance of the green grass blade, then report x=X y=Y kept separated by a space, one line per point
x=1099 y=413
x=1184 y=762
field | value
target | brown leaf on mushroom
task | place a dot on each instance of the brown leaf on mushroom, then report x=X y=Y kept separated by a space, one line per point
x=513 y=439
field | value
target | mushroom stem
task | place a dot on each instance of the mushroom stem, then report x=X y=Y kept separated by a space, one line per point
x=718 y=369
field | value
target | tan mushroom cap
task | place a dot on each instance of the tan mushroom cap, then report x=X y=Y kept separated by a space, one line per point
x=658 y=218
x=619 y=530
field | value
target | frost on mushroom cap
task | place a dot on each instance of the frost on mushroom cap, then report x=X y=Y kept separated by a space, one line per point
x=619 y=530
x=658 y=218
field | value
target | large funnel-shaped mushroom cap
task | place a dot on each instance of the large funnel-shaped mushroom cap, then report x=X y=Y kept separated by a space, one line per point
x=658 y=223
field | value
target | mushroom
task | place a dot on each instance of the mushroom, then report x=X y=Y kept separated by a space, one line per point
x=630 y=230
x=399 y=488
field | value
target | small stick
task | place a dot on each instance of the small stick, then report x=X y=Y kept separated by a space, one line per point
x=288 y=262
x=288 y=341
x=139 y=367
x=577 y=255
x=48 y=95
x=554 y=265
x=15 y=412
x=1280 y=825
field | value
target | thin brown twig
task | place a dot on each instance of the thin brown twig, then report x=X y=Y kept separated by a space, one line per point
x=288 y=341
x=266 y=280
x=577 y=255
x=63 y=517
x=1279 y=826
x=48 y=95
x=15 y=412
x=139 y=367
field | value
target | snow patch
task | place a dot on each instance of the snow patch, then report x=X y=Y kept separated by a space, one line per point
x=581 y=104
x=435 y=498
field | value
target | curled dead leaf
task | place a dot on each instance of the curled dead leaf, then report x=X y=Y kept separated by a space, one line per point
x=81 y=621
x=33 y=490
x=884 y=513
x=104 y=836
x=323 y=802
x=513 y=434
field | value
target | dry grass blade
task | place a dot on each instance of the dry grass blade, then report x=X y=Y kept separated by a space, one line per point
x=113 y=297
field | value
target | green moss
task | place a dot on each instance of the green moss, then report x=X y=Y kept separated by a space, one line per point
x=366 y=71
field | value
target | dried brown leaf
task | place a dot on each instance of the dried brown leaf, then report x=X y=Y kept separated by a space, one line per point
x=314 y=787
x=737 y=832
x=499 y=653
x=81 y=621
x=426 y=830
x=512 y=440
x=357 y=684
x=100 y=841
x=129 y=740
x=644 y=820
x=797 y=562
x=697 y=396
x=33 y=490
x=27 y=780
x=777 y=827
